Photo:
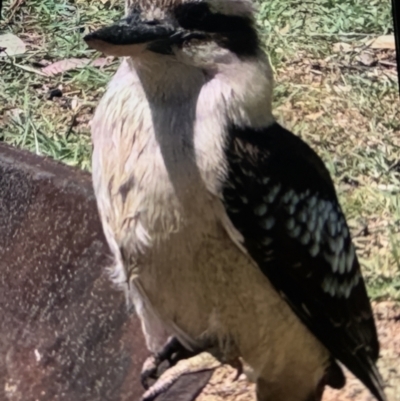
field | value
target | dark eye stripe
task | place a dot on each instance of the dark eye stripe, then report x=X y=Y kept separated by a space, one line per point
x=199 y=16
x=236 y=33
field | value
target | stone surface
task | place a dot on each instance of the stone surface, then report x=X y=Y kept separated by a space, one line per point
x=65 y=333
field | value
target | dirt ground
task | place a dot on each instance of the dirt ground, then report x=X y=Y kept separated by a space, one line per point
x=387 y=314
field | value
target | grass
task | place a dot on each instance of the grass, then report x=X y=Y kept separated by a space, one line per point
x=349 y=112
x=344 y=103
x=54 y=31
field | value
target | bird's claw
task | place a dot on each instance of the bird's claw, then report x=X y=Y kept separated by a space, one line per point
x=199 y=362
x=238 y=365
x=154 y=365
x=149 y=371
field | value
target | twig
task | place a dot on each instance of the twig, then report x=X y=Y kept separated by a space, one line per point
x=27 y=68
x=13 y=9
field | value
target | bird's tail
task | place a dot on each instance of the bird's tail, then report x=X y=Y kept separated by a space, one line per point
x=375 y=383
x=370 y=376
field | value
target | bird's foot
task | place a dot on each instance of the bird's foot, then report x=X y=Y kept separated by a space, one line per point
x=238 y=365
x=149 y=370
x=197 y=363
x=154 y=365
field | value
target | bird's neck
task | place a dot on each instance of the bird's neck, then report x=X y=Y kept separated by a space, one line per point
x=242 y=87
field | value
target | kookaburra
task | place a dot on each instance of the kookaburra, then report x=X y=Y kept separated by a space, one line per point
x=226 y=229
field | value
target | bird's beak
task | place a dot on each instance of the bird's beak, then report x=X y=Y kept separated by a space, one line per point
x=131 y=36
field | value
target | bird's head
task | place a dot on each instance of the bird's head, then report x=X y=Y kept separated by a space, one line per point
x=201 y=33
x=179 y=48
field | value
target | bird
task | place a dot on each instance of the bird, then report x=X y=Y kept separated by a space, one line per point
x=226 y=229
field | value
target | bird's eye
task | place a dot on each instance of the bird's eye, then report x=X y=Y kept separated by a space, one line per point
x=152 y=22
x=193 y=15
x=198 y=16
x=234 y=32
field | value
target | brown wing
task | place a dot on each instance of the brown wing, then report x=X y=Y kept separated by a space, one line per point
x=281 y=198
